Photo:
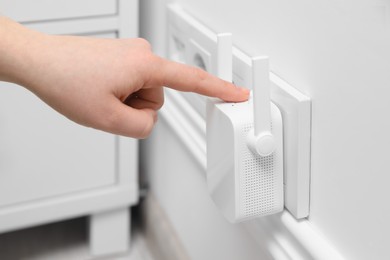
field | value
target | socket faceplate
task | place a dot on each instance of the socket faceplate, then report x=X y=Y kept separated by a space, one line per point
x=296 y=112
x=192 y=43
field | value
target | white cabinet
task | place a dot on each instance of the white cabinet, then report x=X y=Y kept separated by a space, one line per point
x=43 y=154
x=42 y=10
x=52 y=168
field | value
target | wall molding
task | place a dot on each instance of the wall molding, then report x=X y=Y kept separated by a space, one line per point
x=160 y=236
x=283 y=236
x=187 y=125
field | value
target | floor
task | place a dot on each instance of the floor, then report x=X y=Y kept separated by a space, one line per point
x=64 y=240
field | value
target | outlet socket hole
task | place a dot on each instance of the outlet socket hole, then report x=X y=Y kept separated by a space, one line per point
x=199 y=62
x=179 y=45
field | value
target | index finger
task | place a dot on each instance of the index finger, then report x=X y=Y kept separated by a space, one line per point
x=192 y=79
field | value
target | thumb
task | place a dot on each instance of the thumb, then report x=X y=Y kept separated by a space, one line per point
x=131 y=122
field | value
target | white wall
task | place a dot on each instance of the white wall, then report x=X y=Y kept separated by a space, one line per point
x=336 y=52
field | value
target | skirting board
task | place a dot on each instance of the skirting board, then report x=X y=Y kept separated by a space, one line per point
x=159 y=235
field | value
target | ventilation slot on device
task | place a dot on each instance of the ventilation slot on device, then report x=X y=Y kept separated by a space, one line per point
x=258 y=181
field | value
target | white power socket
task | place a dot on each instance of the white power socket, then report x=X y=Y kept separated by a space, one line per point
x=192 y=43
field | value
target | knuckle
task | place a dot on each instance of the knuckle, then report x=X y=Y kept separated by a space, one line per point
x=201 y=76
x=144 y=43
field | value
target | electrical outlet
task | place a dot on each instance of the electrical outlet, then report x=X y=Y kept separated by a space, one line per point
x=296 y=112
x=192 y=43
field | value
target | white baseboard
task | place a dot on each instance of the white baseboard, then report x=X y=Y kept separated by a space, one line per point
x=160 y=236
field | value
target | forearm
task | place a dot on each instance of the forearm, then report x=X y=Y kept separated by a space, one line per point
x=19 y=51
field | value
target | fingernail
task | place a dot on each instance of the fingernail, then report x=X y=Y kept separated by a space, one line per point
x=245 y=90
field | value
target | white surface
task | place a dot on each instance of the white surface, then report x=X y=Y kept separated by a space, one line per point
x=191 y=132
x=68 y=143
x=128 y=18
x=260 y=139
x=40 y=10
x=78 y=26
x=64 y=150
x=63 y=207
x=109 y=232
x=286 y=239
x=43 y=154
x=336 y=52
x=242 y=184
x=261 y=99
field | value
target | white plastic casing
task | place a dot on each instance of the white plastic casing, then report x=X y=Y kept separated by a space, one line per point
x=243 y=185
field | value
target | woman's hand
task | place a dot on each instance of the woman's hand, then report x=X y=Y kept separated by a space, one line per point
x=110 y=84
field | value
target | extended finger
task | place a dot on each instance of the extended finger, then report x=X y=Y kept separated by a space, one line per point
x=187 y=78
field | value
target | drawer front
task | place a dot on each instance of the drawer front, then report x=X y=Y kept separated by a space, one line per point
x=43 y=154
x=42 y=10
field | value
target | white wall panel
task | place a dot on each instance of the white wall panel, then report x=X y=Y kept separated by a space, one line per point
x=336 y=52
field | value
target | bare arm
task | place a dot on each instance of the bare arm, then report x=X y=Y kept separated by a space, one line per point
x=110 y=84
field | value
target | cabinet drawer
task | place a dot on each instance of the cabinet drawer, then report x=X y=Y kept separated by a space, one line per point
x=41 y=10
x=43 y=154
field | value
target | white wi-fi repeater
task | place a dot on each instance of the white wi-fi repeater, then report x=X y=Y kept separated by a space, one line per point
x=245 y=151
